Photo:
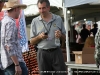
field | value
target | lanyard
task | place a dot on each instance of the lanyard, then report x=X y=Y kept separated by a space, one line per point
x=46 y=27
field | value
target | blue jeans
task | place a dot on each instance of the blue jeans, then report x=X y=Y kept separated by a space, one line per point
x=11 y=69
x=1 y=72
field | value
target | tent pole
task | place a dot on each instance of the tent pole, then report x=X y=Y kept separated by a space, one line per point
x=67 y=42
x=67 y=27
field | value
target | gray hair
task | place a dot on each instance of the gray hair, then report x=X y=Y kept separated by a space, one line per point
x=46 y=1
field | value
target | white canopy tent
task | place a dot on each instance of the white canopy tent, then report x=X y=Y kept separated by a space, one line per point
x=57 y=3
x=32 y=6
x=72 y=4
x=87 y=8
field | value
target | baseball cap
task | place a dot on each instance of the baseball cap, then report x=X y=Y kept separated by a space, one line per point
x=3 y=0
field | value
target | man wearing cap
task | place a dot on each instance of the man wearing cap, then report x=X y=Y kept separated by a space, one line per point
x=1 y=5
x=11 y=53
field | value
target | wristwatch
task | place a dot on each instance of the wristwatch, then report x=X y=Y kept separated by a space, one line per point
x=17 y=65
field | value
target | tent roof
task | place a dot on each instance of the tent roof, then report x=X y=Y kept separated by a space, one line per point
x=91 y=12
x=84 y=9
x=72 y=3
x=32 y=9
x=57 y=3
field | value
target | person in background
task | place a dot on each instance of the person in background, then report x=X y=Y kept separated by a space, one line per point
x=78 y=27
x=84 y=33
x=94 y=30
x=88 y=27
x=1 y=6
x=46 y=31
x=75 y=34
x=11 y=52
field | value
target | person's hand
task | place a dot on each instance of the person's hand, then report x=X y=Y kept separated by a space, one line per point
x=18 y=70
x=43 y=36
x=58 y=34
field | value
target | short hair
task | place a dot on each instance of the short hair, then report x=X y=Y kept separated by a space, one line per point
x=95 y=25
x=84 y=25
x=46 y=1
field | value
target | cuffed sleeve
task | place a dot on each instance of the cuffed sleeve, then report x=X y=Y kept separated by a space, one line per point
x=10 y=43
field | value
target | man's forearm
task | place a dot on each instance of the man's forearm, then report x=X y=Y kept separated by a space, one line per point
x=15 y=60
x=35 y=40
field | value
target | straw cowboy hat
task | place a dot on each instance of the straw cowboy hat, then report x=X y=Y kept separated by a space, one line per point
x=13 y=4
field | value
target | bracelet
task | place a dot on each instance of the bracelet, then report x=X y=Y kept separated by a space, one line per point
x=17 y=65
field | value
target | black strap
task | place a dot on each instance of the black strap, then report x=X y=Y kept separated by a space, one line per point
x=46 y=27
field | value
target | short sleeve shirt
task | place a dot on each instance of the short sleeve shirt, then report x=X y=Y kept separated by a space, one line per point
x=38 y=26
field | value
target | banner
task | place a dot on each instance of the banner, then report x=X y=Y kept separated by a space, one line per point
x=21 y=24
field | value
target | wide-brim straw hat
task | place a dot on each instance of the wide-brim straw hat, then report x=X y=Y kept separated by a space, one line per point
x=13 y=4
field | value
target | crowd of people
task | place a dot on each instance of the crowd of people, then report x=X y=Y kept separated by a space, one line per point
x=83 y=31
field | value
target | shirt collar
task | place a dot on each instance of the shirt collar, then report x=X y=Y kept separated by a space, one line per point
x=11 y=18
x=53 y=17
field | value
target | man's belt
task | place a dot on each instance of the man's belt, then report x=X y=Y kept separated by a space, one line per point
x=50 y=50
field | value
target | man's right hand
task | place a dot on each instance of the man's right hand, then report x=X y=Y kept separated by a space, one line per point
x=18 y=70
x=42 y=35
x=38 y=38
